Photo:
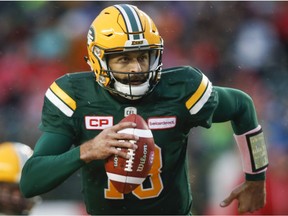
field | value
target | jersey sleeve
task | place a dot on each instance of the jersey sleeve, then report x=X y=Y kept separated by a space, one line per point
x=52 y=154
x=238 y=107
x=59 y=107
x=202 y=99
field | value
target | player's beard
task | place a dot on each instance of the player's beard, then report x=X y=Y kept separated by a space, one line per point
x=133 y=78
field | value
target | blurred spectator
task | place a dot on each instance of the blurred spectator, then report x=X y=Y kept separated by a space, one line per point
x=12 y=158
x=255 y=45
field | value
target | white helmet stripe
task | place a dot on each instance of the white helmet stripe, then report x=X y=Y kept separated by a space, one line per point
x=132 y=21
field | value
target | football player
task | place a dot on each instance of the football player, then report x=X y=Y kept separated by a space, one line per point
x=84 y=109
x=12 y=158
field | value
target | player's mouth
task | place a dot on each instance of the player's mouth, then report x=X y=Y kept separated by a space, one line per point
x=134 y=80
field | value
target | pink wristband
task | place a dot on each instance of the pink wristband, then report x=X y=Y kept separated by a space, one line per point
x=253 y=151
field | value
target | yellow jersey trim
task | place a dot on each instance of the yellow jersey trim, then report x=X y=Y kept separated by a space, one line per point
x=198 y=94
x=63 y=96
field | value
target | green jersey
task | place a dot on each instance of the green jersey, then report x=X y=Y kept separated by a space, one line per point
x=86 y=109
x=78 y=108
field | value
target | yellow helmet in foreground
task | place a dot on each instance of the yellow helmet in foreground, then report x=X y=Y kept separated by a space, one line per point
x=13 y=155
x=123 y=28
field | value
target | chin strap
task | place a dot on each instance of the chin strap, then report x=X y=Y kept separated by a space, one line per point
x=253 y=151
x=132 y=92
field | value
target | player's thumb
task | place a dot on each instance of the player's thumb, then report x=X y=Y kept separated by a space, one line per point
x=226 y=202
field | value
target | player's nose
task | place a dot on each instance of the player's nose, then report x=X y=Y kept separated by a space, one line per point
x=135 y=66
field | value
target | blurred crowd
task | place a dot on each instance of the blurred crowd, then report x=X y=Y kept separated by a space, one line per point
x=236 y=44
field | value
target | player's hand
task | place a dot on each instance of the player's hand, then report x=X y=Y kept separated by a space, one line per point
x=107 y=142
x=251 y=196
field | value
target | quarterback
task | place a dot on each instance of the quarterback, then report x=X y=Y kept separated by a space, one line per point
x=82 y=111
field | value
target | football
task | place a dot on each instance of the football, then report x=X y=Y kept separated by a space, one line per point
x=128 y=174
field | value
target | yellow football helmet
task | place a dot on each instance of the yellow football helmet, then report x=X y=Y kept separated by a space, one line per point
x=123 y=28
x=13 y=155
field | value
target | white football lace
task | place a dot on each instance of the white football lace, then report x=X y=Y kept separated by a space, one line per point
x=129 y=163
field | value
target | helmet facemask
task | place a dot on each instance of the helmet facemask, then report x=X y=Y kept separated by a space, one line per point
x=136 y=84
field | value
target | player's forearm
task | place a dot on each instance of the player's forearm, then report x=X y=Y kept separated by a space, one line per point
x=237 y=107
x=42 y=172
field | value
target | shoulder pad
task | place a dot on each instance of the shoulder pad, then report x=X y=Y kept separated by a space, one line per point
x=61 y=93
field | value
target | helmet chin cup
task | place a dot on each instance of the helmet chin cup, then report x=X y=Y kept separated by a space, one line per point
x=131 y=92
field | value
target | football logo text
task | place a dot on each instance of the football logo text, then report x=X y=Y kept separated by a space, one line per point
x=142 y=159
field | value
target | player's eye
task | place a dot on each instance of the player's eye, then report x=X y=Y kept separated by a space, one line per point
x=143 y=58
x=124 y=59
